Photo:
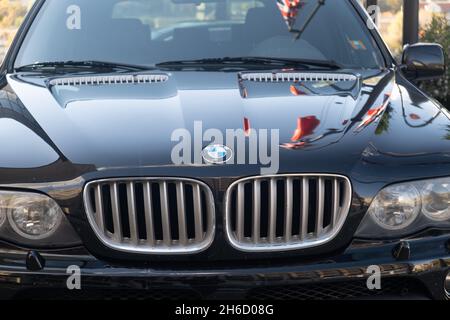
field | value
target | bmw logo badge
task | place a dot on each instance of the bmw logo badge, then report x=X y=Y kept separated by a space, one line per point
x=217 y=154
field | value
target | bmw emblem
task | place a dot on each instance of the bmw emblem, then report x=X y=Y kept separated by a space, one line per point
x=217 y=154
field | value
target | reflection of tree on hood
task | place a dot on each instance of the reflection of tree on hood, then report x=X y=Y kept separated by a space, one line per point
x=447 y=136
x=384 y=124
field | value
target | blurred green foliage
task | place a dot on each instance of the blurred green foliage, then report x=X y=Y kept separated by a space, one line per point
x=438 y=31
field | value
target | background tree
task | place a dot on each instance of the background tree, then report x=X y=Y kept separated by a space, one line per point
x=12 y=13
x=439 y=31
x=390 y=5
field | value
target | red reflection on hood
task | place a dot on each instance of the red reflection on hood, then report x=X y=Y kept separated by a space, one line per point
x=414 y=116
x=247 y=127
x=374 y=113
x=297 y=92
x=305 y=127
x=294 y=146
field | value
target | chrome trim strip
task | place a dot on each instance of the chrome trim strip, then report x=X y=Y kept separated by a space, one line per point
x=304 y=240
x=297 y=76
x=202 y=241
x=109 y=80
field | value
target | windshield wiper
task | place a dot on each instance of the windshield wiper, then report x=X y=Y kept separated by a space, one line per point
x=253 y=61
x=88 y=65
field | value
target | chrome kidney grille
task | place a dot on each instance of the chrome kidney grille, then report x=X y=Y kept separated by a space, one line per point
x=286 y=212
x=154 y=215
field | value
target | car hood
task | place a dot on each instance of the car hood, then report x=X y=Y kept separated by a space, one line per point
x=350 y=123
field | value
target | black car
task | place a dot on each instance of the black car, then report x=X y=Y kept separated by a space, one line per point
x=333 y=182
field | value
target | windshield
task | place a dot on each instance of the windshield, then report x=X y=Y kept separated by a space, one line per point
x=151 y=32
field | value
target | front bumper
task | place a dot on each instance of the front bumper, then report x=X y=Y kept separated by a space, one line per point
x=421 y=276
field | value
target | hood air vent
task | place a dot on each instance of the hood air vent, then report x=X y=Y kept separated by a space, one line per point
x=109 y=80
x=292 y=77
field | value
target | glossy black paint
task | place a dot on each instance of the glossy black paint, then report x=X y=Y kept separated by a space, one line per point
x=424 y=61
x=54 y=141
x=86 y=140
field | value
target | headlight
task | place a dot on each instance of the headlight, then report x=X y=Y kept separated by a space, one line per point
x=33 y=219
x=33 y=216
x=436 y=200
x=396 y=207
x=403 y=209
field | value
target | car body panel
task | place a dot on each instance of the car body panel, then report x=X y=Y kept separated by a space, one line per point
x=407 y=139
x=380 y=130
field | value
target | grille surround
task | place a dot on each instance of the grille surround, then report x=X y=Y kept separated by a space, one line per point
x=157 y=247
x=285 y=243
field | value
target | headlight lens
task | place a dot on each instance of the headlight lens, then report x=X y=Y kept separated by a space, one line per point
x=33 y=216
x=403 y=209
x=436 y=200
x=34 y=220
x=396 y=207
x=3 y=211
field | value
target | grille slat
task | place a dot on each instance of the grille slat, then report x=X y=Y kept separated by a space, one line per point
x=132 y=213
x=256 y=211
x=139 y=205
x=99 y=208
x=289 y=208
x=272 y=210
x=305 y=208
x=165 y=213
x=116 y=211
x=148 y=207
x=335 y=203
x=198 y=213
x=319 y=215
x=320 y=205
x=181 y=214
x=240 y=213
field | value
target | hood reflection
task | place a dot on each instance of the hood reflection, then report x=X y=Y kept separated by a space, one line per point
x=374 y=113
x=22 y=136
x=305 y=127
